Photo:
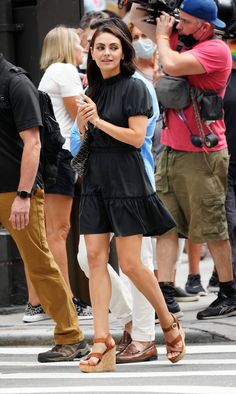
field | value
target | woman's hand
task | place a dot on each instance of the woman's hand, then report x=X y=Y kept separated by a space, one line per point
x=82 y=123
x=88 y=110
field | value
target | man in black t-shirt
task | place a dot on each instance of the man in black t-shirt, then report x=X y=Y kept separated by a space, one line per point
x=22 y=208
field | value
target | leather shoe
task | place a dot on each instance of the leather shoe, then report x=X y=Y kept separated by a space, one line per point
x=133 y=355
x=123 y=342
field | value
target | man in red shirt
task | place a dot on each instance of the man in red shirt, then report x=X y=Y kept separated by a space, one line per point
x=191 y=180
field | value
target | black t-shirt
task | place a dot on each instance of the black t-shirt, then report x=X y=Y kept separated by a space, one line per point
x=19 y=113
x=230 y=121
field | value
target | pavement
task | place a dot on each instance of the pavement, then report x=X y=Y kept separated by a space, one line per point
x=13 y=332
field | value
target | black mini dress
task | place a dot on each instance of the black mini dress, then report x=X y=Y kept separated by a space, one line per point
x=116 y=194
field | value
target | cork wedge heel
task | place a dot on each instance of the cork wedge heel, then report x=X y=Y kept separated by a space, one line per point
x=106 y=361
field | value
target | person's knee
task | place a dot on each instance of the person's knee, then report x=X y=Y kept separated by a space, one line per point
x=128 y=267
x=59 y=232
x=96 y=258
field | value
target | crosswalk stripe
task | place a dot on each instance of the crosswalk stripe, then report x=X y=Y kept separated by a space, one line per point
x=159 y=363
x=121 y=389
x=114 y=375
x=203 y=349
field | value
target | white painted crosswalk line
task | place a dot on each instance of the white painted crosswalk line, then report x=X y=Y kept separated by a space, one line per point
x=113 y=375
x=197 y=349
x=160 y=363
x=122 y=389
x=51 y=377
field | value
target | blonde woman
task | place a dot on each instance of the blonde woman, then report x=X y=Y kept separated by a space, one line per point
x=61 y=54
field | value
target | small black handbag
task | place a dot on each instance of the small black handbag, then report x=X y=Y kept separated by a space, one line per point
x=79 y=163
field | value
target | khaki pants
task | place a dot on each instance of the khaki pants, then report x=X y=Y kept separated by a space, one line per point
x=42 y=269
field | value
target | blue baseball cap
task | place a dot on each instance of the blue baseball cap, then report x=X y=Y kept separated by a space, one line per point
x=203 y=9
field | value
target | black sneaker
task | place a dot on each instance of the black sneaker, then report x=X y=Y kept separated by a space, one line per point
x=182 y=296
x=214 y=284
x=84 y=311
x=168 y=292
x=194 y=285
x=64 y=352
x=222 y=307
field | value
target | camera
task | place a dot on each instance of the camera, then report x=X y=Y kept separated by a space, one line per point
x=226 y=11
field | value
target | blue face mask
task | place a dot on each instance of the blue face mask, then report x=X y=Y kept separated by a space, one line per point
x=144 y=48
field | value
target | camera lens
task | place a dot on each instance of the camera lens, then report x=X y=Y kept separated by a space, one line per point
x=196 y=141
x=211 y=140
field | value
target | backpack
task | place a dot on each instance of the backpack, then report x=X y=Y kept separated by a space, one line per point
x=50 y=134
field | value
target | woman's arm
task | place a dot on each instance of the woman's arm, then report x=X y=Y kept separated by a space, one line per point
x=132 y=135
x=75 y=140
x=70 y=104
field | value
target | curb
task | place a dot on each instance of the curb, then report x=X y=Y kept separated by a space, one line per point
x=40 y=338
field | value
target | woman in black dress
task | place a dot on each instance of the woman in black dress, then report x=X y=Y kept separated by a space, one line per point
x=116 y=194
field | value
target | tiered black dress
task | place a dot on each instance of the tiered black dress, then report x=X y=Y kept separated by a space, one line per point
x=117 y=195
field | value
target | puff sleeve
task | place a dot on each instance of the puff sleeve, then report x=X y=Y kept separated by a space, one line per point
x=137 y=99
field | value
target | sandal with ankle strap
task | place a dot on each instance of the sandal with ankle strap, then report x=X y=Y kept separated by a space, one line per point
x=106 y=361
x=170 y=346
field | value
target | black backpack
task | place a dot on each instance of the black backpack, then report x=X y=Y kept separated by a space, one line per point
x=50 y=134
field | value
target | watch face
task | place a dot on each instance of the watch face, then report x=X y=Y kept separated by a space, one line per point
x=23 y=194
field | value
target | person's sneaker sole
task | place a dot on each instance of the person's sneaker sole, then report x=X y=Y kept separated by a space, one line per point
x=35 y=318
x=85 y=317
x=202 y=293
x=191 y=298
x=42 y=358
x=213 y=289
x=233 y=313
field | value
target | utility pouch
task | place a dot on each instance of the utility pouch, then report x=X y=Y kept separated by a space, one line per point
x=211 y=106
x=173 y=92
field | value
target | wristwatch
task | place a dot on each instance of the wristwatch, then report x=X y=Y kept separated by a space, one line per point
x=23 y=194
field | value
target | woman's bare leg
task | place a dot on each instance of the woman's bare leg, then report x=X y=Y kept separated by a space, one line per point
x=129 y=252
x=100 y=288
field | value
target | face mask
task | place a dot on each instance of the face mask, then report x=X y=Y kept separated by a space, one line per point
x=83 y=66
x=189 y=41
x=144 y=48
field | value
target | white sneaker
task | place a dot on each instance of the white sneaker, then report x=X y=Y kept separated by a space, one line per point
x=34 y=313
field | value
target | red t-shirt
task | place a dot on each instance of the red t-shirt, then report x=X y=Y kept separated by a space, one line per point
x=215 y=57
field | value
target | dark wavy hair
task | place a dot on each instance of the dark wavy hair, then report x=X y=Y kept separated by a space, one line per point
x=119 y=29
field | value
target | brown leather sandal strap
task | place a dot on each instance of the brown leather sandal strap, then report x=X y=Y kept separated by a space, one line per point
x=97 y=355
x=174 y=325
x=106 y=340
x=99 y=340
x=175 y=341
